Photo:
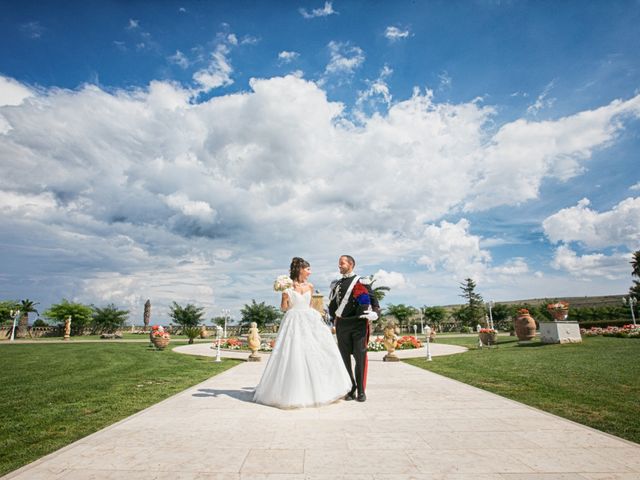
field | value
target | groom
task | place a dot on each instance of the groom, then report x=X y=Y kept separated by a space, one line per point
x=350 y=306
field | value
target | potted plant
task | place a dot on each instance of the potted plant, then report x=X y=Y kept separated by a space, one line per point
x=559 y=310
x=159 y=337
x=488 y=336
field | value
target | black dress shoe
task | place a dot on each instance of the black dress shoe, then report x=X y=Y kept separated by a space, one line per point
x=350 y=396
x=361 y=397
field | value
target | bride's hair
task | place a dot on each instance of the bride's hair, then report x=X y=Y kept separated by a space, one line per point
x=297 y=264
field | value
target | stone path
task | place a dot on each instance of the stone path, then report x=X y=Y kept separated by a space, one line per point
x=414 y=425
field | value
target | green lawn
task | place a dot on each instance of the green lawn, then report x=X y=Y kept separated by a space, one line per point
x=595 y=383
x=54 y=394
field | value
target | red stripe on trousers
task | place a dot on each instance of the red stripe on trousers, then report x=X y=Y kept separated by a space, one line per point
x=366 y=359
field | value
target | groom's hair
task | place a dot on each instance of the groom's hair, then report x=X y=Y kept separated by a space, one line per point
x=350 y=259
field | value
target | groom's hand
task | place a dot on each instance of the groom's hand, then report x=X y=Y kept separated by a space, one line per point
x=370 y=315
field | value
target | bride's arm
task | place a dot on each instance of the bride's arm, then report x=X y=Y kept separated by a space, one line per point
x=284 y=304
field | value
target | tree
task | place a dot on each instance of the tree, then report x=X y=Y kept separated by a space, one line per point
x=108 y=319
x=191 y=333
x=5 y=308
x=188 y=316
x=502 y=316
x=634 y=291
x=219 y=321
x=260 y=313
x=434 y=316
x=379 y=292
x=80 y=315
x=475 y=304
x=26 y=307
x=146 y=317
x=402 y=312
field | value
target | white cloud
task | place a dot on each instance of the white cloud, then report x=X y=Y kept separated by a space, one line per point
x=287 y=57
x=451 y=246
x=190 y=208
x=133 y=24
x=179 y=59
x=345 y=58
x=33 y=30
x=182 y=10
x=616 y=227
x=543 y=101
x=595 y=265
x=238 y=184
x=521 y=154
x=13 y=92
x=445 y=81
x=394 y=33
x=635 y=187
x=515 y=266
x=319 y=12
x=377 y=91
x=218 y=72
x=393 y=280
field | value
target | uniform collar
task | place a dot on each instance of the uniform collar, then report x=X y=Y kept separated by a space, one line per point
x=349 y=275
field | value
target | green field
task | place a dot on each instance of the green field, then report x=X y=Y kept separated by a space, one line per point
x=595 y=383
x=54 y=394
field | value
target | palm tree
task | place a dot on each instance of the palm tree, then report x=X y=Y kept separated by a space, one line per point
x=109 y=319
x=402 y=312
x=26 y=307
x=635 y=263
x=379 y=292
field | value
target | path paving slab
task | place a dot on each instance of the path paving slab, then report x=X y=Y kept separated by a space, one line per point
x=415 y=425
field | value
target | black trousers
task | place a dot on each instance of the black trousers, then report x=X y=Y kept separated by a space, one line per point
x=353 y=338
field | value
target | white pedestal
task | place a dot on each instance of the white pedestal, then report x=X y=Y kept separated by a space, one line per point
x=560 y=332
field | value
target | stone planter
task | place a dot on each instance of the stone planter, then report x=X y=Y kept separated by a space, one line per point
x=525 y=327
x=488 y=338
x=560 y=332
x=160 y=342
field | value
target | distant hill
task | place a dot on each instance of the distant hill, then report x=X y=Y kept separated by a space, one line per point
x=601 y=301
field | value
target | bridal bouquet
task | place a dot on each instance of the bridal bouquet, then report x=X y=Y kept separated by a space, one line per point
x=282 y=283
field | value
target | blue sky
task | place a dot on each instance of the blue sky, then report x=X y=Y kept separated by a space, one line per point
x=187 y=150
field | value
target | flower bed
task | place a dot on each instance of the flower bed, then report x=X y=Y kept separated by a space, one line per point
x=376 y=345
x=627 y=331
x=237 y=344
x=407 y=342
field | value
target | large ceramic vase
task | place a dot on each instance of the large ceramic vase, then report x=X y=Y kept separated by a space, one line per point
x=525 y=327
x=160 y=342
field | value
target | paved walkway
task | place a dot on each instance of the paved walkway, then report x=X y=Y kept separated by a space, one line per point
x=414 y=425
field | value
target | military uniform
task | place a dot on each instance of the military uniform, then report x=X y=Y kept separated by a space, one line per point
x=351 y=329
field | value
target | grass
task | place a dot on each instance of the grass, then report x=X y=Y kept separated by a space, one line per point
x=595 y=383
x=54 y=394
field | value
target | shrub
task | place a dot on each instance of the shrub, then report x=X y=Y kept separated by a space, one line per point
x=191 y=332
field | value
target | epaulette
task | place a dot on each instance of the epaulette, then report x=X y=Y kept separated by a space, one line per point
x=368 y=280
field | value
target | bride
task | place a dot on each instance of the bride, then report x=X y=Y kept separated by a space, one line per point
x=305 y=368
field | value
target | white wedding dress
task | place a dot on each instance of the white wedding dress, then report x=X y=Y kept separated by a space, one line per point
x=305 y=368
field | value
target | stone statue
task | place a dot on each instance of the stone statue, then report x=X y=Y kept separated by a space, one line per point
x=390 y=341
x=203 y=332
x=67 y=328
x=254 y=343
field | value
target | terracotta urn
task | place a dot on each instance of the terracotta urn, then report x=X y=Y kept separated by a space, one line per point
x=525 y=327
